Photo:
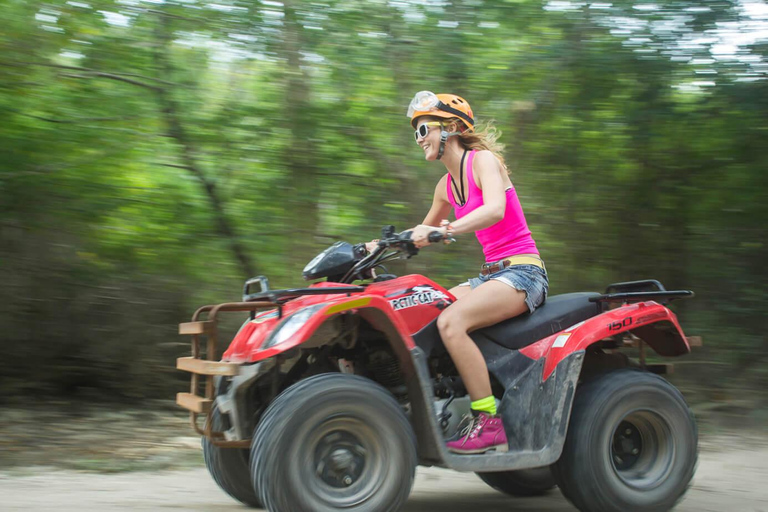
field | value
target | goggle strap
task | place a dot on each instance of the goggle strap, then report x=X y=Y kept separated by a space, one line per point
x=446 y=108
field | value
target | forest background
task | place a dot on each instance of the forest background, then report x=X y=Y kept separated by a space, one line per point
x=154 y=154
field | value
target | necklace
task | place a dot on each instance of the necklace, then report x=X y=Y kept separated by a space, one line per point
x=461 y=196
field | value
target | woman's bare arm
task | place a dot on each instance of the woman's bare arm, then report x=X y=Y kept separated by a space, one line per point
x=440 y=205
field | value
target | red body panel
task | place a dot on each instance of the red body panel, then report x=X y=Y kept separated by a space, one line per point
x=578 y=337
x=416 y=299
x=409 y=302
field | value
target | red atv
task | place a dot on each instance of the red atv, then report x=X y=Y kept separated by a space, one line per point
x=330 y=398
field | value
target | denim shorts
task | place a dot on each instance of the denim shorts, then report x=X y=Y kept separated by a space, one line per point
x=527 y=278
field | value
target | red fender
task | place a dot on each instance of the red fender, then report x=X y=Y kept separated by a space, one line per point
x=650 y=321
x=373 y=308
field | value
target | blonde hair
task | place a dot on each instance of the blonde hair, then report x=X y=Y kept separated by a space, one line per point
x=484 y=136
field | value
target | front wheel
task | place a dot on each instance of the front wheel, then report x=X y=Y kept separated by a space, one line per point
x=334 y=442
x=522 y=482
x=631 y=445
x=229 y=466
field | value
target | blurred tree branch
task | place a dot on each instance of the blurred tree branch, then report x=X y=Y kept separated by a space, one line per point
x=177 y=131
x=114 y=75
x=71 y=121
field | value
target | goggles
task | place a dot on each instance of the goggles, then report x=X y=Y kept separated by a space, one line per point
x=427 y=101
x=423 y=129
x=423 y=101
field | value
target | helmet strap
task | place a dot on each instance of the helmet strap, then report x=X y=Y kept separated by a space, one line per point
x=443 y=139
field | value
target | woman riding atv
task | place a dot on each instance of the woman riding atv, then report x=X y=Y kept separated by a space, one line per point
x=513 y=280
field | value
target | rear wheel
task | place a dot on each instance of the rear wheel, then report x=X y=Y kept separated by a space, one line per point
x=521 y=483
x=631 y=445
x=229 y=466
x=334 y=442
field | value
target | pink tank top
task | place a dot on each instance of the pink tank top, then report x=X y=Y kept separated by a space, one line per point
x=509 y=236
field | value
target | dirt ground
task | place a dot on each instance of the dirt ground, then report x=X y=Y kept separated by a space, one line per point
x=99 y=460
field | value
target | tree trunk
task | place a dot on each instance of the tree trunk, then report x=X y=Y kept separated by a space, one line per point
x=176 y=130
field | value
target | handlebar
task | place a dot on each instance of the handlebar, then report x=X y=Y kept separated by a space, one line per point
x=435 y=237
x=400 y=242
x=403 y=240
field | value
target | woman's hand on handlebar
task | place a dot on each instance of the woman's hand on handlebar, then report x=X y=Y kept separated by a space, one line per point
x=420 y=234
x=370 y=246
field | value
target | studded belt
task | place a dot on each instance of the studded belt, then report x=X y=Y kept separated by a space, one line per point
x=490 y=268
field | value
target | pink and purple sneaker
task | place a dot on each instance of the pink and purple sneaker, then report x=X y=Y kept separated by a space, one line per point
x=484 y=433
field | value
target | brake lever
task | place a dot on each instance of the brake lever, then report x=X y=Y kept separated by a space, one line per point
x=407 y=243
x=400 y=241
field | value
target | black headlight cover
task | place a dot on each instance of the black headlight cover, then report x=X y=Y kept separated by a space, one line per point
x=336 y=259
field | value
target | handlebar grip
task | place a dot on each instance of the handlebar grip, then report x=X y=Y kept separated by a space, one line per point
x=435 y=237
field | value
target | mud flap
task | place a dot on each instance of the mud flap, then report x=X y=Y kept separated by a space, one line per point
x=535 y=413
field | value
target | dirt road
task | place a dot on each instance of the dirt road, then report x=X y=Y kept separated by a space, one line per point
x=731 y=477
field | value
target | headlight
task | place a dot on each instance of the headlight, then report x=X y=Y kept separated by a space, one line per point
x=290 y=325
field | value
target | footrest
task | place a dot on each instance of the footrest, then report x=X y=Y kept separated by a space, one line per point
x=203 y=367
x=193 y=403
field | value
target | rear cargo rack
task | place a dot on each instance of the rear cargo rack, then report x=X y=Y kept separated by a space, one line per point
x=663 y=297
x=636 y=286
x=638 y=291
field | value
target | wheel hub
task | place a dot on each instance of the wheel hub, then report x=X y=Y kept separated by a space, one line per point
x=642 y=452
x=342 y=459
x=627 y=446
x=339 y=459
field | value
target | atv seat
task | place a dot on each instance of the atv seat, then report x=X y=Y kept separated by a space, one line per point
x=557 y=313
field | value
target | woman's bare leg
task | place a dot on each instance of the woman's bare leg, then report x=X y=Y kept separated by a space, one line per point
x=460 y=291
x=488 y=304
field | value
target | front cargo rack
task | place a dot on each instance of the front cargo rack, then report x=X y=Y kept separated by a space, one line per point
x=208 y=365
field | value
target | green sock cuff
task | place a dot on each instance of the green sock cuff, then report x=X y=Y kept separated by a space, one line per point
x=487 y=405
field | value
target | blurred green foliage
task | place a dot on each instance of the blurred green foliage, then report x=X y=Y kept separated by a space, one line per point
x=156 y=153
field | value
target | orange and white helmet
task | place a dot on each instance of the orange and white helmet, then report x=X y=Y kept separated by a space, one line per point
x=426 y=103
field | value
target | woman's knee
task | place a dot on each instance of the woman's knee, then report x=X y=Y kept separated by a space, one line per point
x=449 y=325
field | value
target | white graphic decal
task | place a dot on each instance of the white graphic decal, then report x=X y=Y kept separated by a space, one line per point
x=575 y=326
x=422 y=295
x=437 y=294
x=560 y=340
